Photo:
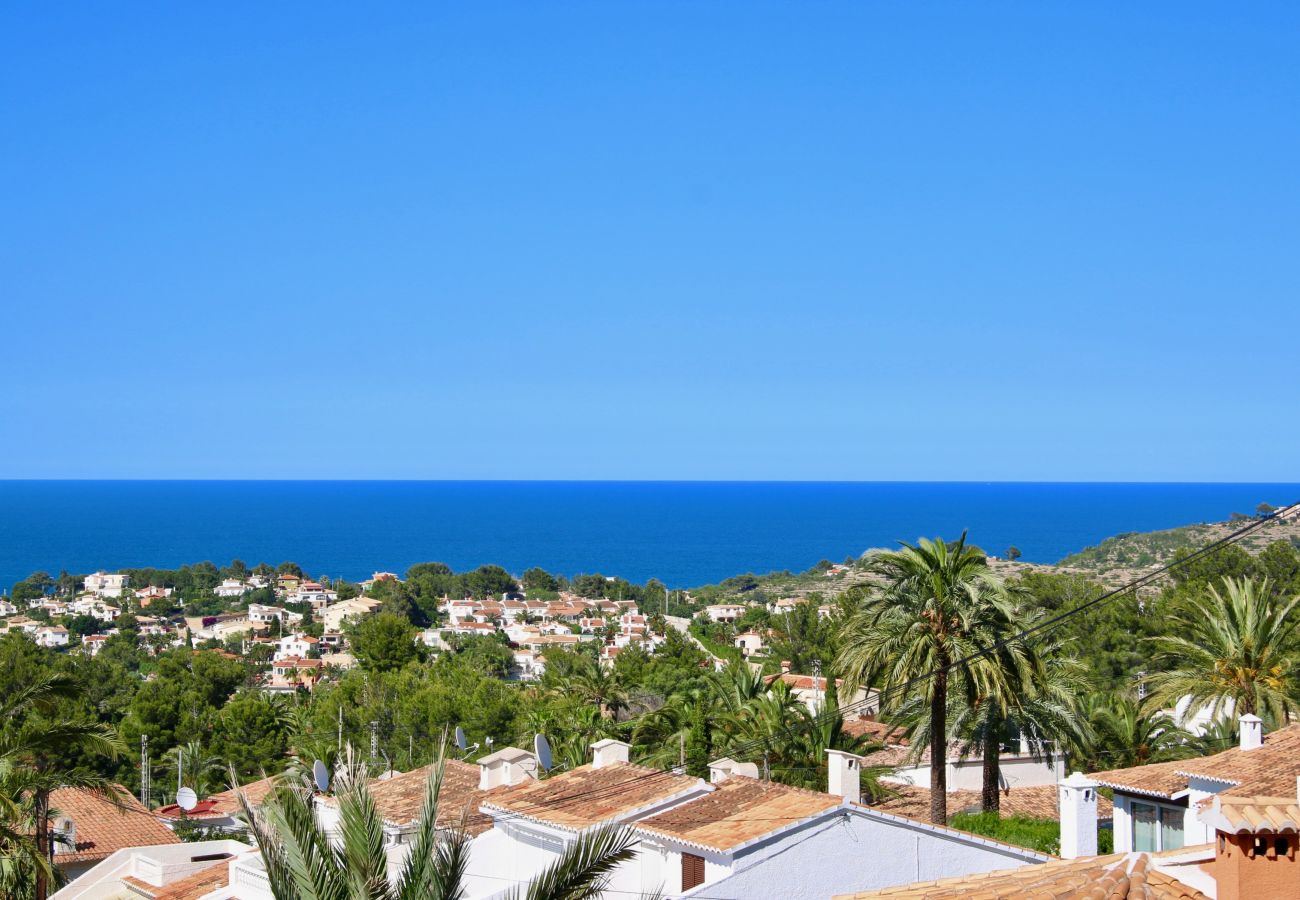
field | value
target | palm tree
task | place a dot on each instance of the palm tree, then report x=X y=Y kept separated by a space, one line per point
x=37 y=741
x=195 y=768
x=1037 y=699
x=303 y=864
x=939 y=605
x=20 y=860
x=1124 y=736
x=1229 y=647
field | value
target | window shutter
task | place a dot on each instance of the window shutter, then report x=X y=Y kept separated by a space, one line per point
x=692 y=871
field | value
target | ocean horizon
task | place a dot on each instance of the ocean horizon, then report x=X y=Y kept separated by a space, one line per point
x=686 y=533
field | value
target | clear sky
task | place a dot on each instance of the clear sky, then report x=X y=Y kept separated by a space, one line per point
x=662 y=240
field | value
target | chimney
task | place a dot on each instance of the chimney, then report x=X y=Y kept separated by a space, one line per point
x=1252 y=732
x=506 y=767
x=607 y=752
x=1077 y=796
x=844 y=775
x=785 y=667
x=722 y=769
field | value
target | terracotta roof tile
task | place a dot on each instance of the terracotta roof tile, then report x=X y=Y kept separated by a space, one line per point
x=200 y=884
x=1115 y=877
x=1252 y=815
x=1271 y=769
x=400 y=799
x=1036 y=802
x=106 y=824
x=738 y=811
x=587 y=796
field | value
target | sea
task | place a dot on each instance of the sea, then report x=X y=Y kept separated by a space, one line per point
x=686 y=533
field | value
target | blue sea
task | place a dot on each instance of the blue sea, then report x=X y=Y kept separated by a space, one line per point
x=684 y=533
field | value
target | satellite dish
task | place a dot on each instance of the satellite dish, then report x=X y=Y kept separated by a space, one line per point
x=542 y=749
x=321 y=776
x=186 y=799
x=488 y=740
x=460 y=737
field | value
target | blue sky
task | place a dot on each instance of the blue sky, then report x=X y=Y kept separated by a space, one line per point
x=660 y=240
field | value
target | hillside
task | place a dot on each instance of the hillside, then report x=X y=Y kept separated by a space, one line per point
x=1114 y=562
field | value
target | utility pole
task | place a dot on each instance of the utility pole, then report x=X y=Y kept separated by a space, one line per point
x=144 y=770
x=374 y=742
x=340 y=730
x=817 y=689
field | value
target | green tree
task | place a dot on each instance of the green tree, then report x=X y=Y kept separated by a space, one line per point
x=1228 y=647
x=385 y=642
x=252 y=733
x=938 y=605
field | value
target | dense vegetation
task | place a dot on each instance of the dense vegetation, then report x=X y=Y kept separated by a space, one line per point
x=903 y=616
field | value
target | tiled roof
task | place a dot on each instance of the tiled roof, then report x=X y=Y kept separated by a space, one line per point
x=225 y=804
x=587 y=796
x=400 y=799
x=107 y=823
x=1037 y=802
x=1253 y=815
x=200 y=884
x=1115 y=877
x=1270 y=769
x=880 y=731
x=739 y=810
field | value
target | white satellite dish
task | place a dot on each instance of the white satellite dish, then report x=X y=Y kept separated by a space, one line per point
x=186 y=799
x=488 y=741
x=460 y=737
x=542 y=749
x=321 y=776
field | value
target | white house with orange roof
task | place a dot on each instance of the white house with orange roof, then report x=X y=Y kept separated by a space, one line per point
x=296 y=645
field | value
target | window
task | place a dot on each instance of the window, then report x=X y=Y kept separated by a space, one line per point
x=1156 y=828
x=692 y=871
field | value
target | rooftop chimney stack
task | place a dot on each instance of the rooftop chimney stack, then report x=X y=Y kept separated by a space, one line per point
x=607 y=752
x=844 y=775
x=509 y=766
x=1252 y=732
x=722 y=769
x=1077 y=796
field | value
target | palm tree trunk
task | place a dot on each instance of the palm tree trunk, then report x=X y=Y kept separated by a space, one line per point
x=41 y=804
x=939 y=749
x=991 y=800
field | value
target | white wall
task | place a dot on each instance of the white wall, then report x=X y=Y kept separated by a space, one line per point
x=857 y=851
x=968 y=774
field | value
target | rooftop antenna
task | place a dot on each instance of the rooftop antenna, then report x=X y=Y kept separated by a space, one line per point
x=321 y=775
x=186 y=799
x=542 y=749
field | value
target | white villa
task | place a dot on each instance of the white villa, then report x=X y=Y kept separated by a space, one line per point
x=105 y=584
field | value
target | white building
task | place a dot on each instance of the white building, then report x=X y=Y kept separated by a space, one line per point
x=751 y=643
x=296 y=645
x=265 y=615
x=52 y=636
x=105 y=584
x=7 y=608
x=724 y=612
x=334 y=617
x=232 y=587
x=312 y=594
x=1156 y=805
